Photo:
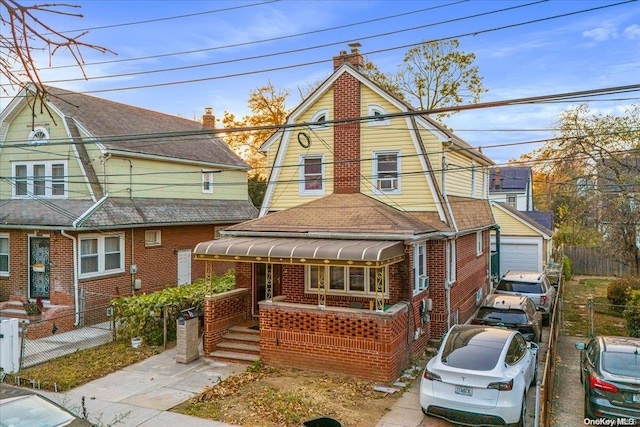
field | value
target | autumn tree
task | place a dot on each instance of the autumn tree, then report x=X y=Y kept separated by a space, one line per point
x=267 y=105
x=433 y=75
x=24 y=31
x=593 y=175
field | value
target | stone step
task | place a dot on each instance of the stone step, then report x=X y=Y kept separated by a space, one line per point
x=234 y=357
x=240 y=337
x=239 y=347
x=243 y=330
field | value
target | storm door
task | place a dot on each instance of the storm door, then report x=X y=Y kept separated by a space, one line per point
x=39 y=267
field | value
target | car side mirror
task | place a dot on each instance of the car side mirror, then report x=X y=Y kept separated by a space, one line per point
x=581 y=345
x=533 y=346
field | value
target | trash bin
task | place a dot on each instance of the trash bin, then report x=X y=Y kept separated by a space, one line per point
x=322 y=422
x=188 y=336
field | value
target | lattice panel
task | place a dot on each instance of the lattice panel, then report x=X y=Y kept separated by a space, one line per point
x=353 y=327
x=296 y=322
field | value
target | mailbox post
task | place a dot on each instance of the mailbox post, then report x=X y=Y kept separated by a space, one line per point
x=187 y=331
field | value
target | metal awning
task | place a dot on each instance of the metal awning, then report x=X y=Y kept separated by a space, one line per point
x=366 y=253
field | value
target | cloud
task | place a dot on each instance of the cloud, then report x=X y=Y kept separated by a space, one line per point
x=632 y=32
x=606 y=32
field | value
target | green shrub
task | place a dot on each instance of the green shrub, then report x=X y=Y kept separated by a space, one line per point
x=142 y=315
x=632 y=314
x=566 y=268
x=619 y=291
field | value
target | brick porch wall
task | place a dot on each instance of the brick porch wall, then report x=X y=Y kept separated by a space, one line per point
x=362 y=344
x=222 y=311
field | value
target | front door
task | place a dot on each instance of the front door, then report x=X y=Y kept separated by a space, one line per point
x=39 y=267
x=260 y=283
x=184 y=267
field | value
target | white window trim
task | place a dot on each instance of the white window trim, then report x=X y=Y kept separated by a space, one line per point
x=371 y=112
x=157 y=241
x=398 y=171
x=451 y=261
x=101 y=255
x=48 y=179
x=515 y=201
x=479 y=243
x=8 y=255
x=418 y=283
x=303 y=191
x=314 y=119
x=207 y=178
x=367 y=292
x=37 y=130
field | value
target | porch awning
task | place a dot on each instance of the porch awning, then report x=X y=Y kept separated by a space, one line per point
x=366 y=253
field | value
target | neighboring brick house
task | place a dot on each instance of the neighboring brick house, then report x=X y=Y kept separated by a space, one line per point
x=373 y=236
x=103 y=199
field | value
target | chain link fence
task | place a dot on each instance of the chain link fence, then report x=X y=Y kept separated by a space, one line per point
x=46 y=339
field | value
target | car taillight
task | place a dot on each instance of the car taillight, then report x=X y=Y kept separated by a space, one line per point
x=598 y=384
x=428 y=375
x=502 y=386
x=543 y=300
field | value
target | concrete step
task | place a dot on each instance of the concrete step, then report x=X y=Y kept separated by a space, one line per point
x=234 y=357
x=243 y=330
x=239 y=347
x=241 y=337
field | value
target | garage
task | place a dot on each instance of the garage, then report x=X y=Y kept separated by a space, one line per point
x=522 y=256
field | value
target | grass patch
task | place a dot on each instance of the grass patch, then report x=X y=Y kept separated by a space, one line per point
x=72 y=370
x=575 y=312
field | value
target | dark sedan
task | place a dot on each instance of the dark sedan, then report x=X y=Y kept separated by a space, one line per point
x=513 y=312
x=610 y=373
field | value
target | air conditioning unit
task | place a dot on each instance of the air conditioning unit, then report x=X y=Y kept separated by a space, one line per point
x=424 y=281
x=479 y=296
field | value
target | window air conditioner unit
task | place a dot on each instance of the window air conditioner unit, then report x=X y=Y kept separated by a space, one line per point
x=424 y=282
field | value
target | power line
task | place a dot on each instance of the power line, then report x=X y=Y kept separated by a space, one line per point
x=405 y=46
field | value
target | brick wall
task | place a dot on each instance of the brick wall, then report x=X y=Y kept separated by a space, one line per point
x=367 y=345
x=222 y=311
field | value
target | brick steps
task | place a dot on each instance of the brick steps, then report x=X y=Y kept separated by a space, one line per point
x=240 y=344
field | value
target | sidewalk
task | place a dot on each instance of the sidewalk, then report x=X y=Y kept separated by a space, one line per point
x=141 y=394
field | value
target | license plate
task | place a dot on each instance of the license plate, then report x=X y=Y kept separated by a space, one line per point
x=635 y=397
x=468 y=391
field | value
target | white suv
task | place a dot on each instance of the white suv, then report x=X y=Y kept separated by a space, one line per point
x=533 y=285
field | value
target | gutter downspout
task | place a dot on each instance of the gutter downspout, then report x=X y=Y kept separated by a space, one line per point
x=75 y=277
x=447 y=282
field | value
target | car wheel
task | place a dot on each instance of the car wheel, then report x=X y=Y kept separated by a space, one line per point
x=587 y=409
x=535 y=375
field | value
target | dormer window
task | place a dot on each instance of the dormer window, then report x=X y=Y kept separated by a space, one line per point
x=39 y=135
x=376 y=114
x=319 y=119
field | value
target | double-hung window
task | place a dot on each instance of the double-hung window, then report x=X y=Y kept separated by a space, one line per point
x=479 y=243
x=207 y=182
x=386 y=171
x=42 y=179
x=4 y=254
x=101 y=254
x=451 y=261
x=512 y=200
x=312 y=175
x=420 y=268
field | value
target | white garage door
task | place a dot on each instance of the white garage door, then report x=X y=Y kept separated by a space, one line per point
x=519 y=256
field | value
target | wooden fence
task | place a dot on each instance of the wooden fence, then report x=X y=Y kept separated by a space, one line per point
x=595 y=262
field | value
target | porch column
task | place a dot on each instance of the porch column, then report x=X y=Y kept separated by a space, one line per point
x=269 y=282
x=379 y=272
x=208 y=271
x=322 y=288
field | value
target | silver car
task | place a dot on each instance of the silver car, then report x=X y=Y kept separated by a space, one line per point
x=533 y=285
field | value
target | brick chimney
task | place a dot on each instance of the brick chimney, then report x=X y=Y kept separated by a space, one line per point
x=208 y=119
x=496 y=179
x=346 y=136
x=354 y=58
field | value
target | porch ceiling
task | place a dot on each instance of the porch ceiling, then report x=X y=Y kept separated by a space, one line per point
x=367 y=253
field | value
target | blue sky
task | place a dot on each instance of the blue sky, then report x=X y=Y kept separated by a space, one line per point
x=583 y=51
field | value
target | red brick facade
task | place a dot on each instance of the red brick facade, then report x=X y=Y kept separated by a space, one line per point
x=223 y=311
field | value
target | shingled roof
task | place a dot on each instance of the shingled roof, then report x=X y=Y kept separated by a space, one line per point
x=340 y=213
x=125 y=128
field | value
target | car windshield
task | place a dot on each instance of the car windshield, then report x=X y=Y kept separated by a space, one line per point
x=32 y=411
x=472 y=349
x=521 y=287
x=624 y=364
x=491 y=315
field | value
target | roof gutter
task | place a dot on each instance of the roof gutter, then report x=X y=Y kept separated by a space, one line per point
x=345 y=236
x=75 y=277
